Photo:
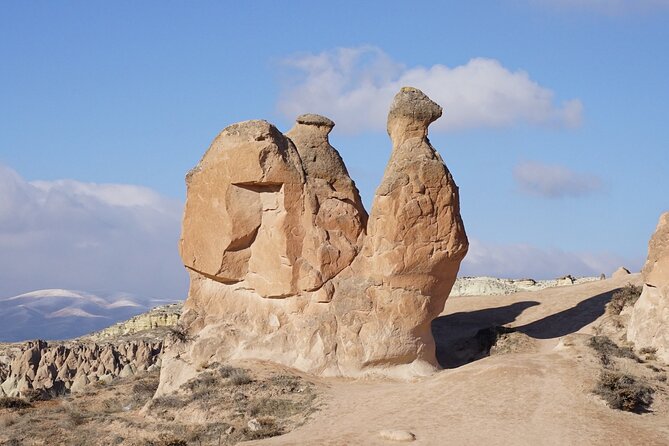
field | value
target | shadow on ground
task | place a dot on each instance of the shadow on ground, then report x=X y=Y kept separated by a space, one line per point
x=570 y=320
x=455 y=334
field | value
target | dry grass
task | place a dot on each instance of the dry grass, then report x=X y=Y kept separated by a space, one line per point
x=215 y=408
x=606 y=349
x=624 y=392
x=7 y=420
x=13 y=403
x=623 y=298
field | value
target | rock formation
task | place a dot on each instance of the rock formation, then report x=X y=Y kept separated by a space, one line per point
x=285 y=264
x=51 y=369
x=649 y=324
x=620 y=272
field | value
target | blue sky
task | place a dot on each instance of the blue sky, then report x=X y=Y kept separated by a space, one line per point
x=555 y=123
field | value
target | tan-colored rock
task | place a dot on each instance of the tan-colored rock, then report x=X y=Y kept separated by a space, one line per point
x=649 y=324
x=397 y=435
x=620 y=272
x=55 y=368
x=285 y=264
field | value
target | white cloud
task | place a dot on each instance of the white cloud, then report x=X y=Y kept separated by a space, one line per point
x=354 y=87
x=527 y=261
x=96 y=237
x=554 y=181
x=609 y=7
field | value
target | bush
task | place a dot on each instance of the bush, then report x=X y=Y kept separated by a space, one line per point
x=606 y=349
x=9 y=402
x=622 y=298
x=168 y=402
x=488 y=337
x=268 y=428
x=145 y=387
x=179 y=334
x=277 y=407
x=239 y=377
x=624 y=392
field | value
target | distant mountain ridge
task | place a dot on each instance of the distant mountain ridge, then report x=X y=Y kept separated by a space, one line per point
x=54 y=314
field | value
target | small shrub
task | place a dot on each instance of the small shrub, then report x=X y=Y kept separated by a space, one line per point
x=606 y=349
x=488 y=337
x=9 y=402
x=648 y=350
x=165 y=440
x=75 y=417
x=622 y=298
x=277 y=407
x=269 y=428
x=145 y=387
x=203 y=380
x=286 y=382
x=239 y=377
x=179 y=334
x=168 y=401
x=624 y=392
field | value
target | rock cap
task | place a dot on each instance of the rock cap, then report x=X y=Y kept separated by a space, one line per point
x=314 y=119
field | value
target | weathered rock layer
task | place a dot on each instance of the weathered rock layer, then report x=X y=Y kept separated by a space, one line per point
x=649 y=324
x=286 y=265
x=51 y=369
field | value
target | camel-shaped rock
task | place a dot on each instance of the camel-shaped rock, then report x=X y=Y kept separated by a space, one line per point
x=286 y=265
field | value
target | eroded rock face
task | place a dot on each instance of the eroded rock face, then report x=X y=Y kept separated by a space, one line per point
x=649 y=324
x=57 y=368
x=285 y=264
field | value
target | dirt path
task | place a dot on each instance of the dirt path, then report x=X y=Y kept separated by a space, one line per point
x=541 y=398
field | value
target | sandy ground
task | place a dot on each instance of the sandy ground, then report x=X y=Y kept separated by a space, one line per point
x=539 y=398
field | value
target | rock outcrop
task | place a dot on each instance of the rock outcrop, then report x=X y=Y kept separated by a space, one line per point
x=157 y=318
x=285 y=264
x=41 y=368
x=492 y=286
x=620 y=272
x=649 y=324
x=51 y=369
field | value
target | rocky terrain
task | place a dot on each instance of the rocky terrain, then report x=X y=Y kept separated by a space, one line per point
x=309 y=321
x=484 y=286
x=41 y=369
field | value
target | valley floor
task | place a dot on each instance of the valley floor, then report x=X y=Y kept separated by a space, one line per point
x=535 y=388
x=542 y=396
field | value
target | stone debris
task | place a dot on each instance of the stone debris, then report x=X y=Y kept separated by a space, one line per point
x=397 y=435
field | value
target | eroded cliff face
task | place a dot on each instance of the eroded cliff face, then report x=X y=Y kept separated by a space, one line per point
x=43 y=369
x=649 y=324
x=286 y=265
x=47 y=369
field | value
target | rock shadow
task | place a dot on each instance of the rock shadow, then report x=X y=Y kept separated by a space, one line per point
x=455 y=334
x=570 y=320
x=458 y=336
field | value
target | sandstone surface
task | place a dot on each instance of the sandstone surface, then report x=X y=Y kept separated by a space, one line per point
x=620 y=272
x=51 y=369
x=286 y=265
x=58 y=367
x=649 y=324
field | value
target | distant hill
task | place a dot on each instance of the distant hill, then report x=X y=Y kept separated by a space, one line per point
x=63 y=314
